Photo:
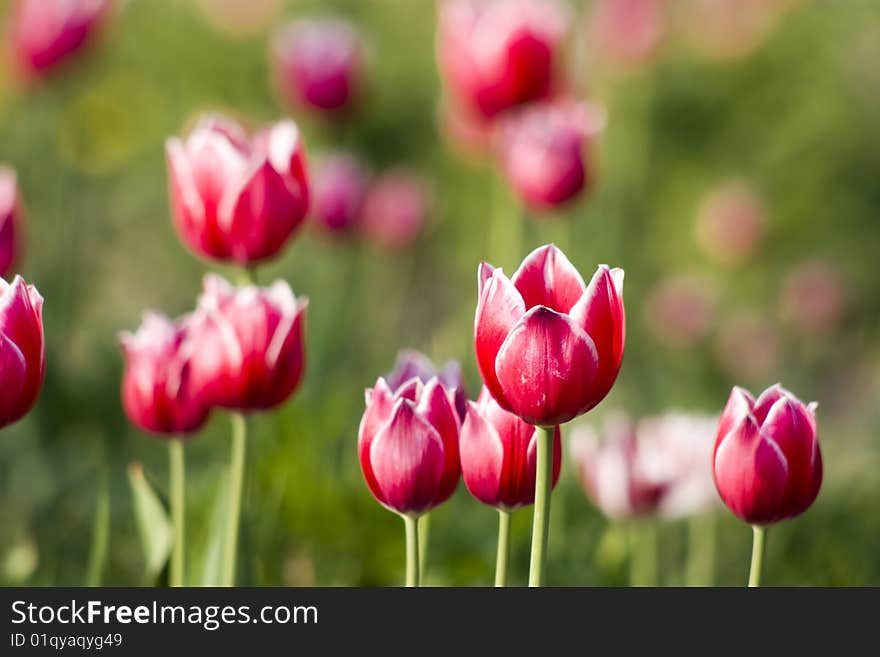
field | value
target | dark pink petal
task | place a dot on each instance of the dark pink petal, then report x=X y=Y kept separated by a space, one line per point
x=13 y=372
x=411 y=390
x=601 y=314
x=766 y=401
x=499 y=309
x=482 y=457
x=380 y=404
x=547 y=278
x=545 y=367
x=407 y=460
x=739 y=407
x=21 y=321
x=435 y=407
x=286 y=357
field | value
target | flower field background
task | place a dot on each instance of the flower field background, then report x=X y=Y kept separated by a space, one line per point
x=794 y=121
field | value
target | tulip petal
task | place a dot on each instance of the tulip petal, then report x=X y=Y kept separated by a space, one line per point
x=21 y=322
x=435 y=407
x=499 y=309
x=380 y=404
x=766 y=401
x=545 y=366
x=547 y=278
x=601 y=314
x=407 y=460
x=739 y=406
x=482 y=457
x=13 y=372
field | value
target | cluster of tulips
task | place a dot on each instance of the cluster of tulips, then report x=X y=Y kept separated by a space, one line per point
x=548 y=345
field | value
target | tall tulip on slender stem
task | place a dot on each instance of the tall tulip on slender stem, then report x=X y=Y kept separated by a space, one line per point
x=549 y=348
x=767 y=463
x=408 y=449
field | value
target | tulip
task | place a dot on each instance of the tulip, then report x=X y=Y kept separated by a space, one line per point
x=747 y=346
x=730 y=223
x=10 y=220
x=680 y=310
x=496 y=54
x=318 y=63
x=44 y=33
x=395 y=209
x=22 y=349
x=414 y=364
x=813 y=297
x=544 y=151
x=767 y=463
x=627 y=32
x=339 y=188
x=248 y=344
x=236 y=198
x=408 y=448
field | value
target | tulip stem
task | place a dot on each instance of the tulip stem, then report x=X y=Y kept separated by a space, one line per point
x=541 y=523
x=503 y=548
x=644 y=543
x=701 y=551
x=177 y=487
x=236 y=485
x=424 y=531
x=412 y=550
x=758 y=534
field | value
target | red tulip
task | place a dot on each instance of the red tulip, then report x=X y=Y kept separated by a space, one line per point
x=43 y=33
x=408 y=446
x=339 y=187
x=10 y=220
x=22 y=349
x=543 y=150
x=767 y=462
x=496 y=54
x=248 y=344
x=411 y=364
x=499 y=455
x=549 y=347
x=157 y=391
x=234 y=198
x=318 y=63
x=395 y=209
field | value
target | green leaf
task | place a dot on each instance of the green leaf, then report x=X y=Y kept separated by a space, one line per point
x=154 y=525
x=211 y=556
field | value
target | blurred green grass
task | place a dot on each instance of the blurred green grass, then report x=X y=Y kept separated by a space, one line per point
x=798 y=119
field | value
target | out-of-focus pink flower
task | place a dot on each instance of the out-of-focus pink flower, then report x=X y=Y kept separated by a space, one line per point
x=609 y=470
x=499 y=455
x=767 y=462
x=548 y=346
x=22 y=349
x=239 y=19
x=626 y=33
x=469 y=133
x=396 y=208
x=236 y=198
x=339 y=187
x=11 y=217
x=680 y=310
x=408 y=446
x=412 y=364
x=747 y=346
x=544 y=150
x=248 y=346
x=44 y=33
x=495 y=54
x=318 y=63
x=730 y=223
x=813 y=297
x=727 y=29
x=157 y=391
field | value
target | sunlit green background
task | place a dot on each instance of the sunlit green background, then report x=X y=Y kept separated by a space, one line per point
x=799 y=118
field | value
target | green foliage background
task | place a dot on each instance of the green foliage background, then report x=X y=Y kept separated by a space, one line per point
x=799 y=118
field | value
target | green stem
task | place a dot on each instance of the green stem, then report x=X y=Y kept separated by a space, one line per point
x=644 y=546
x=701 y=551
x=758 y=534
x=506 y=224
x=100 y=534
x=424 y=531
x=236 y=485
x=503 y=548
x=541 y=523
x=412 y=551
x=177 y=487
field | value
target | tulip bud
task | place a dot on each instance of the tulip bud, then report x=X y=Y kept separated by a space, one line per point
x=543 y=150
x=10 y=221
x=395 y=209
x=317 y=63
x=340 y=185
x=767 y=463
x=408 y=446
x=411 y=364
x=548 y=346
x=248 y=350
x=22 y=349
x=157 y=391
x=627 y=33
x=43 y=33
x=496 y=54
x=234 y=198
x=499 y=455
